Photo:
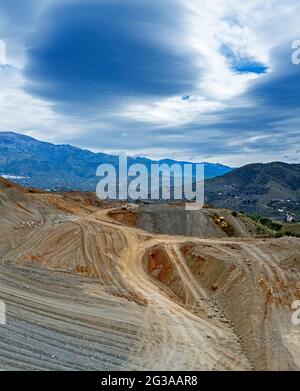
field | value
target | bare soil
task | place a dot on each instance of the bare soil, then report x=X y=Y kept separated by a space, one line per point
x=85 y=290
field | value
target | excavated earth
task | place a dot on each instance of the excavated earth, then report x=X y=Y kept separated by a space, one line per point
x=86 y=288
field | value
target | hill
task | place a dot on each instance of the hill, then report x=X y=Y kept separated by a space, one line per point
x=33 y=163
x=270 y=190
x=85 y=291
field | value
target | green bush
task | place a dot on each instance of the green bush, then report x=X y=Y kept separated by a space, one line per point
x=279 y=234
x=253 y=216
x=265 y=221
x=275 y=226
x=270 y=224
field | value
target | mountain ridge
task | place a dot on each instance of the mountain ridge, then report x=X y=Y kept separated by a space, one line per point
x=40 y=164
x=267 y=189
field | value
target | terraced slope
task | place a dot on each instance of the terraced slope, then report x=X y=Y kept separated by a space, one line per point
x=84 y=291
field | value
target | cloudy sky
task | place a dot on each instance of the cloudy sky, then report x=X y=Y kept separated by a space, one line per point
x=187 y=79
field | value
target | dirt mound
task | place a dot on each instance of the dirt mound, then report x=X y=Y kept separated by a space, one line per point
x=256 y=293
x=126 y=217
x=250 y=296
x=164 y=219
x=89 y=291
x=6 y=184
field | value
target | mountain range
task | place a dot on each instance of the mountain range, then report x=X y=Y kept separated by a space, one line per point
x=271 y=190
x=34 y=163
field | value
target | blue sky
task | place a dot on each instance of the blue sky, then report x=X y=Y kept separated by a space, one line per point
x=191 y=80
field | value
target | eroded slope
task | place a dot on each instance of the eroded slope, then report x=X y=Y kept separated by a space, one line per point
x=84 y=291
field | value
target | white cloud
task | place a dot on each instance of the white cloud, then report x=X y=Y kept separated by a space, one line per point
x=21 y=112
x=251 y=29
x=170 y=112
x=206 y=26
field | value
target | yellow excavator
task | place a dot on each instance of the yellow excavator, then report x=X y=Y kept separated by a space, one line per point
x=220 y=221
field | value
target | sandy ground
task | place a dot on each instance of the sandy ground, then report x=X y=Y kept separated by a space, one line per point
x=86 y=292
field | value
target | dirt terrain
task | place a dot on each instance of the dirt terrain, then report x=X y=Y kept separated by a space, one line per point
x=86 y=289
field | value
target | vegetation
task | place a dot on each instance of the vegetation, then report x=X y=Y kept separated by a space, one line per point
x=271 y=190
x=279 y=229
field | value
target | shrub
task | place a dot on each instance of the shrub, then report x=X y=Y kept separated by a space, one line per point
x=293 y=234
x=270 y=224
x=279 y=234
x=254 y=217
x=288 y=233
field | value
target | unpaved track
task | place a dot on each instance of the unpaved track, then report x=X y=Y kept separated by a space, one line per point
x=80 y=296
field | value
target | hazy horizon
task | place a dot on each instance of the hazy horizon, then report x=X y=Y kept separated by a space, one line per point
x=142 y=156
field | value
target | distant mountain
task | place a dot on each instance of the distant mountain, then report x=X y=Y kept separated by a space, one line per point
x=33 y=163
x=271 y=190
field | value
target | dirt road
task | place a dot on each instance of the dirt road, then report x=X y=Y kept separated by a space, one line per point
x=87 y=292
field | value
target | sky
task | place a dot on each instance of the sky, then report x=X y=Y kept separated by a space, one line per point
x=190 y=80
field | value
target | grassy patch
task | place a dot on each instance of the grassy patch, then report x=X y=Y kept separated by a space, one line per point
x=278 y=229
